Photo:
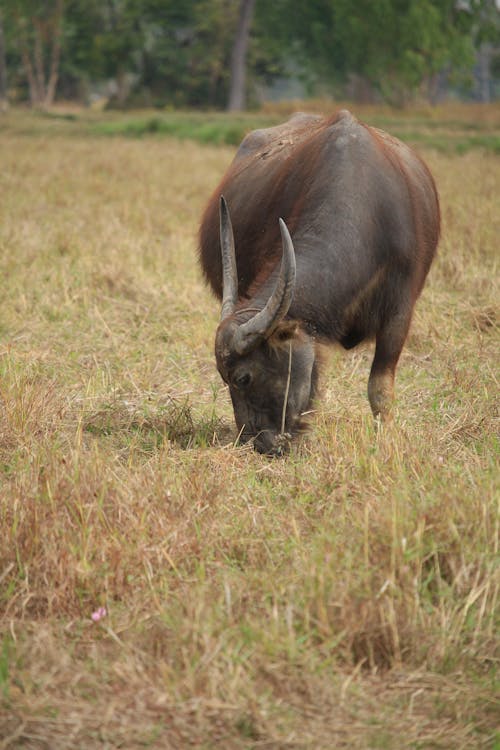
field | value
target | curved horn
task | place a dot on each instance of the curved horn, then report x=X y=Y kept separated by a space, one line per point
x=266 y=320
x=229 y=272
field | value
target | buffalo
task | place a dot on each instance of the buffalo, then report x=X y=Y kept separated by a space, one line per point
x=322 y=230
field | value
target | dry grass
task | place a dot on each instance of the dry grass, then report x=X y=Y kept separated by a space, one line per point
x=466 y=113
x=344 y=597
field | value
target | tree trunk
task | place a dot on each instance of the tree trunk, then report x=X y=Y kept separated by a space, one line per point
x=238 y=57
x=484 y=56
x=55 y=56
x=30 y=75
x=38 y=63
x=47 y=34
x=3 y=71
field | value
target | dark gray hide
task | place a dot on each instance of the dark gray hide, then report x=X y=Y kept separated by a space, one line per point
x=363 y=218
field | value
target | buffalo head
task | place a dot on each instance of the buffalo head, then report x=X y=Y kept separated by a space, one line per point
x=267 y=361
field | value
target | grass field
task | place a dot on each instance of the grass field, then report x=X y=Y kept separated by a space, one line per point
x=450 y=129
x=345 y=597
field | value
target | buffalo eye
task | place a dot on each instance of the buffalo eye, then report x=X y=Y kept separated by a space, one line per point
x=242 y=380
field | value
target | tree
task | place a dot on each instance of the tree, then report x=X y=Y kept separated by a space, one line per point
x=3 y=70
x=37 y=27
x=487 y=41
x=211 y=53
x=181 y=51
x=239 y=55
x=393 y=48
x=119 y=41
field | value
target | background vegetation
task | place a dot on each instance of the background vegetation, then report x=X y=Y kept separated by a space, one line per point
x=344 y=597
x=195 y=53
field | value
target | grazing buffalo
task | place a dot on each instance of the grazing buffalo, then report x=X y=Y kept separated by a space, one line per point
x=325 y=233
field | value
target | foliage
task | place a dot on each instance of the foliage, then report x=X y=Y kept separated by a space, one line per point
x=37 y=29
x=163 y=51
x=393 y=45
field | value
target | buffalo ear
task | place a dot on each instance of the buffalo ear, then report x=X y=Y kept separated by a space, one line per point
x=285 y=331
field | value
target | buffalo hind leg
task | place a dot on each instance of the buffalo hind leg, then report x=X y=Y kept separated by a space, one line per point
x=389 y=344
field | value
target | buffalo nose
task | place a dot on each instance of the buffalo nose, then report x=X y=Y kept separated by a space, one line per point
x=271 y=444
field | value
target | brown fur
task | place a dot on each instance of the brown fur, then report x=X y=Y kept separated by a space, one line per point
x=363 y=212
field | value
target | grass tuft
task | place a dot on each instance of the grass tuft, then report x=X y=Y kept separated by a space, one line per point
x=154 y=424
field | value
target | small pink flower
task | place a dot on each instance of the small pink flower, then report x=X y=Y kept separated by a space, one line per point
x=98 y=614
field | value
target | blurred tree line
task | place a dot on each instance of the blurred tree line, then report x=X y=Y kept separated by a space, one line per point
x=226 y=53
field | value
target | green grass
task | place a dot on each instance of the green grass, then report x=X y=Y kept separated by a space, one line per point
x=450 y=143
x=218 y=132
x=455 y=132
x=344 y=597
x=223 y=132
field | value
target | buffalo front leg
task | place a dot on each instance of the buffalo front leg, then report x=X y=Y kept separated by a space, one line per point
x=389 y=344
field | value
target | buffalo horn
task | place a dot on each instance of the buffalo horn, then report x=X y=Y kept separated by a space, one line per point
x=229 y=272
x=263 y=323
